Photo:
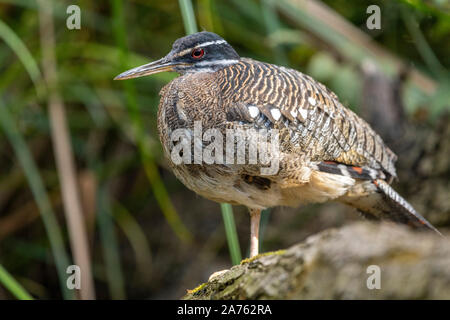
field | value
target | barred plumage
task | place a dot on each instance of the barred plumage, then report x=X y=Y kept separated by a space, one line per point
x=326 y=151
x=307 y=105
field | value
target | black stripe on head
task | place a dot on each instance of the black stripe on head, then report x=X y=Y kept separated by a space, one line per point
x=193 y=40
x=216 y=53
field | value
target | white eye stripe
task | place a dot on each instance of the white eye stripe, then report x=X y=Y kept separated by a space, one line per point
x=201 y=45
x=209 y=43
x=223 y=62
x=200 y=70
x=203 y=66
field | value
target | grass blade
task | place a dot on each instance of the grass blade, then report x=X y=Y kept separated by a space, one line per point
x=13 y=286
x=136 y=236
x=187 y=12
x=421 y=43
x=110 y=246
x=52 y=227
x=24 y=55
x=230 y=231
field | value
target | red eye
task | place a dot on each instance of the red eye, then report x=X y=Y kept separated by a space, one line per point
x=197 y=53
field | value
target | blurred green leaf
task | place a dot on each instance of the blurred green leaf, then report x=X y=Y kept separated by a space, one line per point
x=13 y=286
x=40 y=195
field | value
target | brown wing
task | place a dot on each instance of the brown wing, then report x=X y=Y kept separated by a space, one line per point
x=311 y=117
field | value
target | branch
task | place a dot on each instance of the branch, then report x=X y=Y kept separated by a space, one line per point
x=333 y=265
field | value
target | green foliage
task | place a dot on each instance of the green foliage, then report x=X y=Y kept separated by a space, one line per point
x=132 y=202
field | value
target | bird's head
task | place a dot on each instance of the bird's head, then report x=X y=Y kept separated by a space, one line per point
x=198 y=52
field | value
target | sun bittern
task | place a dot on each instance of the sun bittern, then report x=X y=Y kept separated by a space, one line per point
x=326 y=152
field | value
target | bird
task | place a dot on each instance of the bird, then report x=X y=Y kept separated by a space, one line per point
x=325 y=152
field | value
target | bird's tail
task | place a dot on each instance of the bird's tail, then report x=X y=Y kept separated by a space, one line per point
x=376 y=199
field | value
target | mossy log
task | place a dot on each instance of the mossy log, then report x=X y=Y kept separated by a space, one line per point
x=335 y=264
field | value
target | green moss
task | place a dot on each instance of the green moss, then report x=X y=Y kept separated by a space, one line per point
x=248 y=260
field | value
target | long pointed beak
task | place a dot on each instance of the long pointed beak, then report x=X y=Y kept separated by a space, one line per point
x=157 y=66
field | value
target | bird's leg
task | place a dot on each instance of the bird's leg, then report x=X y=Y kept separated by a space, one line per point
x=255 y=217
